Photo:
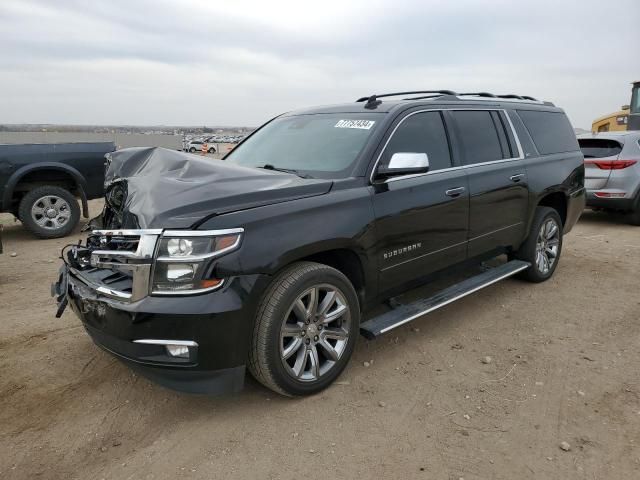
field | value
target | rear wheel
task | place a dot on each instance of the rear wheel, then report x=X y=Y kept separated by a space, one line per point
x=192 y=149
x=543 y=246
x=633 y=217
x=49 y=211
x=211 y=150
x=305 y=330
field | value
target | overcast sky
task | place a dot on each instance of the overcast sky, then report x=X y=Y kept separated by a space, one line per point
x=240 y=62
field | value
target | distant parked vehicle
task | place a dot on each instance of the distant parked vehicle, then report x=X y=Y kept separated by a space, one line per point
x=196 y=146
x=40 y=183
x=193 y=146
x=612 y=171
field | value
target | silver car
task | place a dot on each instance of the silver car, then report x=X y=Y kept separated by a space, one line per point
x=612 y=171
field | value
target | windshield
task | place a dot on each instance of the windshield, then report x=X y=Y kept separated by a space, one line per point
x=320 y=145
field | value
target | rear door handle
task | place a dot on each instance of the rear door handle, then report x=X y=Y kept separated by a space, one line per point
x=517 y=177
x=454 y=192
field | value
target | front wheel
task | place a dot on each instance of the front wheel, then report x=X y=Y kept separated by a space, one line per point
x=305 y=329
x=543 y=246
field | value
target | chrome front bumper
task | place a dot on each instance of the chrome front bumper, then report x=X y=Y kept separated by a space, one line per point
x=136 y=264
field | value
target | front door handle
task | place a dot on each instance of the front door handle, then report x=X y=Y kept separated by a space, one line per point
x=454 y=192
x=517 y=177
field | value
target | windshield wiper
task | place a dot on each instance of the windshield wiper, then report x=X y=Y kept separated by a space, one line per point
x=268 y=166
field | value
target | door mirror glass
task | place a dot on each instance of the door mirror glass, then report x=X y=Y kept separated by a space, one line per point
x=405 y=164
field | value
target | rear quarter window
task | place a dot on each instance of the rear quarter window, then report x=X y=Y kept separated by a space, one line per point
x=551 y=132
x=599 y=147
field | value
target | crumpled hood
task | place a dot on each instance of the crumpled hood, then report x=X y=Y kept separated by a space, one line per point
x=161 y=188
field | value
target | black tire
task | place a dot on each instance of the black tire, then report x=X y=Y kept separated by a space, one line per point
x=529 y=249
x=56 y=229
x=266 y=362
x=211 y=150
x=192 y=149
x=633 y=217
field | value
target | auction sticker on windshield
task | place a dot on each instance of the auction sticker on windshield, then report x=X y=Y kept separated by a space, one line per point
x=363 y=124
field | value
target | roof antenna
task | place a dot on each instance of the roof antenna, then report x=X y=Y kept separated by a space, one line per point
x=372 y=102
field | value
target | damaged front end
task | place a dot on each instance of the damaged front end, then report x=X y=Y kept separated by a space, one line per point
x=152 y=298
x=114 y=215
x=129 y=265
x=156 y=188
x=116 y=264
x=148 y=285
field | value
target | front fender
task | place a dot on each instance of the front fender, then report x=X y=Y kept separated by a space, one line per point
x=15 y=178
x=278 y=235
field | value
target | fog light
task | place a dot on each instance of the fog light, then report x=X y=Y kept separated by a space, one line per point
x=179 y=351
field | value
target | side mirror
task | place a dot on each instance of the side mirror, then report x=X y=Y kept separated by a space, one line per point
x=405 y=164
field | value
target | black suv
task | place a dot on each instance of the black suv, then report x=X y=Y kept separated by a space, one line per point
x=268 y=259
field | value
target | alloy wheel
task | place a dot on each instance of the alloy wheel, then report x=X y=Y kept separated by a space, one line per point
x=315 y=332
x=547 y=246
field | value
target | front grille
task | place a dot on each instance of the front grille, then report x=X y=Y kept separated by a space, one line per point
x=120 y=263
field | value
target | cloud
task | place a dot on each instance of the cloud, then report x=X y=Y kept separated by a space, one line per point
x=201 y=62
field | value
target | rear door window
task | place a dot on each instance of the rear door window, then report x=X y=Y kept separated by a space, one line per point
x=599 y=147
x=551 y=131
x=479 y=136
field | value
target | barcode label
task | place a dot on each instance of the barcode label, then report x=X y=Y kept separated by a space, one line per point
x=362 y=124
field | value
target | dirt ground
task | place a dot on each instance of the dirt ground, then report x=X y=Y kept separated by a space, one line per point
x=564 y=367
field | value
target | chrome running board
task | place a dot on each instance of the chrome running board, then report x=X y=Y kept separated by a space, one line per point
x=404 y=313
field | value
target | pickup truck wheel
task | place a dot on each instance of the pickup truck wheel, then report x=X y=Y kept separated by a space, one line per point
x=49 y=212
x=543 y=246
x=192 y=149
x=305 y=329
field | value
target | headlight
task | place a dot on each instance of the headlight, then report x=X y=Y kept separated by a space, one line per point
x=184 y=258
x=177 y=247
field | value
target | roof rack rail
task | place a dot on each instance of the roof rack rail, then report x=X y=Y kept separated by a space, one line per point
x=423 y=97
x=507 y=96
x=375 y=96
x=478 y=94
x=511 y=95
x=374 y=100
